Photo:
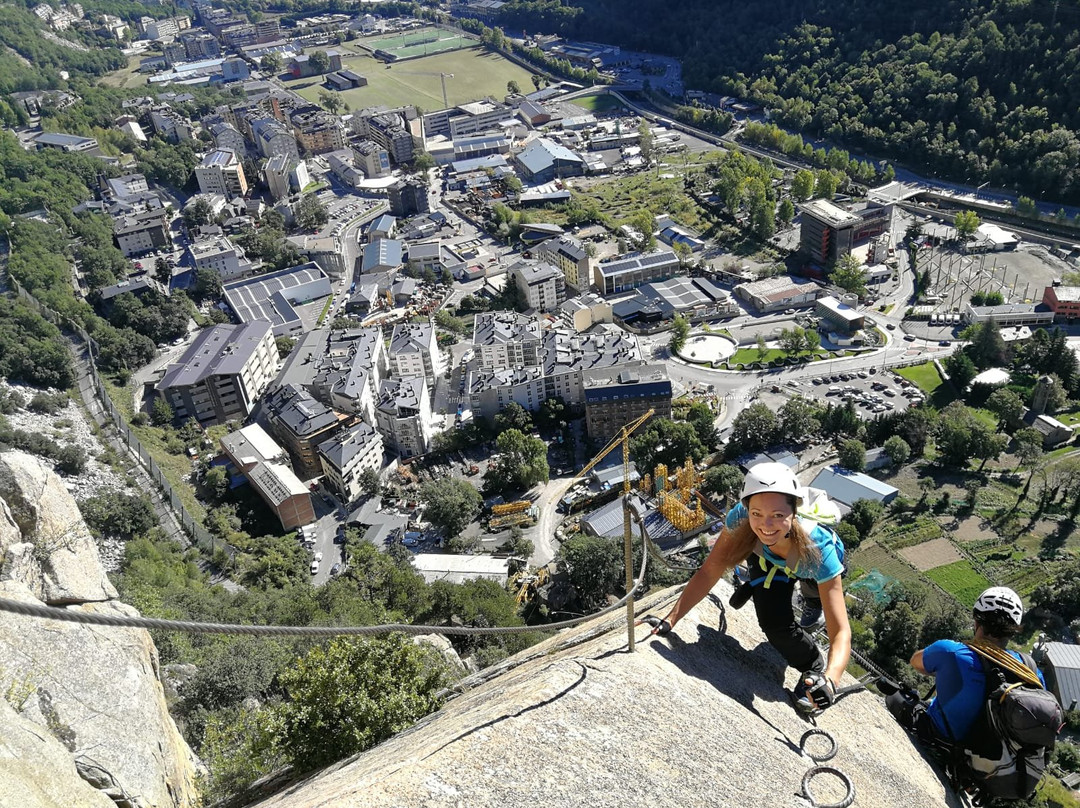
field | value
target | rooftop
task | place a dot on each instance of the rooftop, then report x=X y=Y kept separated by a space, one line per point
x=353 y=441
x=637 y=261
x=219 y=351
x=833 y=215
x=297 y=410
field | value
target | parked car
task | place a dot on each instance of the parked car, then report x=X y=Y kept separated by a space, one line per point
x=336 y=569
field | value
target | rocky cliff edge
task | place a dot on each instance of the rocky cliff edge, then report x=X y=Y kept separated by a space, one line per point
x=699 y=718
x=83 y=718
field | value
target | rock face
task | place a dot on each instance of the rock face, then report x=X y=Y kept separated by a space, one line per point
x=698 y=718
x=63 y=565
x=95 y=690
x=36 y=771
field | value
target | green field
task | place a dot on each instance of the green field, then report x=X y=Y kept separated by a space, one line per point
x=927 y=379
x=477 y=73
x=599 y=102
x=959 y=580
x=419 y=43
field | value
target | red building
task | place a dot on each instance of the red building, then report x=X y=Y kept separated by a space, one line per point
x=1064 y=301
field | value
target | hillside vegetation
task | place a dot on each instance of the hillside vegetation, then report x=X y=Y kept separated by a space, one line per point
x=978 y=91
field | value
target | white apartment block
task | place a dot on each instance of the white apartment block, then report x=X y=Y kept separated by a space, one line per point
x=345 y=457
x=415 y=352
x=403 y=416
x=221 y=172
x=542 y=285
x=222 y=256
x=506 y=339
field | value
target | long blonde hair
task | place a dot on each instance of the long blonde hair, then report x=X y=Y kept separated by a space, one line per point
x=735 y=545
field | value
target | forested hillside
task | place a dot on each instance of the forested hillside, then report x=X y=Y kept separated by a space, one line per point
x=979 y=91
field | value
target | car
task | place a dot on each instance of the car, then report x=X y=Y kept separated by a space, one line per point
x=410 y=542
x=336 y=569
x=816 y=381
x=315 y=567
x=790 y=311
x=178 y=341
x=889 y=393
x=318 y=557
x=863 y=374
x=945 y=343
x=891 y=326
x=909 y=338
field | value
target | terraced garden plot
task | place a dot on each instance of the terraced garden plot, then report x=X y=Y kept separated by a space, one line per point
x=875 y=557
x=960 y=581
x=931 y=554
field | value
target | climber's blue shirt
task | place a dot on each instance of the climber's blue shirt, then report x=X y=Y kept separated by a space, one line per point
x=961 y=686
x=829 y=546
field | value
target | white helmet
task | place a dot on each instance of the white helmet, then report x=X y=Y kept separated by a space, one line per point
x=771 y=478
x=1002 y=600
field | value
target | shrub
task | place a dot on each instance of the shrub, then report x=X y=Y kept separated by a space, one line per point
x=48 y=403
x=71 y=460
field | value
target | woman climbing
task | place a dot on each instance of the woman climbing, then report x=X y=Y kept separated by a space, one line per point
x=780 y=548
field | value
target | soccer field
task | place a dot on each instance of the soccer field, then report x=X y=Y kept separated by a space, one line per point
x=419 y=43
x=477 y=73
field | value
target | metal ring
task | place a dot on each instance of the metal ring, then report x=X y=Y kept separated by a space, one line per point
x=812 y=773
x=819 y=758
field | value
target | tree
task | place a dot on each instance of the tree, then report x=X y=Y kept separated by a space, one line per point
x=537 y=80
x=954 y=435
x=522 y=462
x=208 y=285
x=850 y=275
x=987 y=445
x=646 y=141
x=115 y=514
x=786 y=212
x=422 y=162
x=553 y=413
x=799 y=419
x=450 y=504
x=162 y=272
x=724 y=482
x=863 y=515
x=369 y=482
x=753 y=429
x=762 y=348
x=852 y=455
x=802 y=184
x=643 y=222
x=197 y=213
x=667 y=442
x=353 y=694
x=1027 y=447
x=319 y=61
x=270 y=63
x=161 y=414
x=310 y=213
x=961 y=370
x=680 y=330
x=1007 y=406
x=825 y=184
x=898 y=450
x=700 y=416
x=513 y=87
x=966 y=223
x=284 y=346
x=987 y=348
x=595 y=566
x=513 y=416
x=216 y=483
x=331 y=102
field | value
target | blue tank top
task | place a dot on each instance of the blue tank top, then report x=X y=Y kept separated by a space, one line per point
x=828 y=543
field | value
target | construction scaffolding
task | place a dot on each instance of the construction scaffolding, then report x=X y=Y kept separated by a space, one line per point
x=511 y=507
x=678 y=497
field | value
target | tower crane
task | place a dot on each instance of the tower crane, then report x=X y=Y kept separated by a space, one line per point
x=623 y=437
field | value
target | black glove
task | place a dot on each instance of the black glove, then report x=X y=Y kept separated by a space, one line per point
x=819 y=689
x=663 y=627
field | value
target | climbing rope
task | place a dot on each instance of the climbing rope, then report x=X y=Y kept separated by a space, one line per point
x=191 y=627
x=814 y=772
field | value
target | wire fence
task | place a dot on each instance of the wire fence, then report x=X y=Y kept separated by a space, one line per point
x=199 y=535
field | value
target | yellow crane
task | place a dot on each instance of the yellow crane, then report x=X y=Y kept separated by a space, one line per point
x=623 y=437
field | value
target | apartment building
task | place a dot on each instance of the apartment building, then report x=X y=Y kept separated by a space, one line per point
x=506 y=339
x=569 y=255
x=222 y=256
x=617 y=395
x=403 y=416
x=222 y=374
x=221 y=172
x=346 y=457
x=540 y=283
x=301 y=423
x=415 y=352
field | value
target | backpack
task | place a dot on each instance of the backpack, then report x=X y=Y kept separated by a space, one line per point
x=1007 y=748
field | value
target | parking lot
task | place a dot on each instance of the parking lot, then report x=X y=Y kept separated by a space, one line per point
x=872 y=392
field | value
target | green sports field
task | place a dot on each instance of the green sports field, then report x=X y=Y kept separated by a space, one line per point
x=419 y=43
x=477 y=73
